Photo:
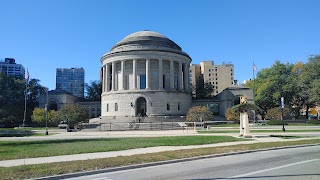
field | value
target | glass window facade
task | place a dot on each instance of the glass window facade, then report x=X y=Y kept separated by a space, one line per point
x=71 y=80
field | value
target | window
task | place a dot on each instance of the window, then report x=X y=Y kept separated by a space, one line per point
x=216 y=82
x=164 y=82
x=209 y=74
x=142 y=81
x=209 y=70
x=168 y=106
x=176 y=82
x=231 y=74
x=107 y=107
x=115 y=106
x=216 y=74
x=217 y=92
x=178 y=106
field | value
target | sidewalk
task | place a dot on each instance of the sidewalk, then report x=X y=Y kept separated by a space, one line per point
x=17 y=162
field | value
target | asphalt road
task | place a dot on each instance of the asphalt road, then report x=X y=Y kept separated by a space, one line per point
x=294 y=163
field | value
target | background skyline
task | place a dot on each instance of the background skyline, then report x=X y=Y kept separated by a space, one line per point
x=45 y=35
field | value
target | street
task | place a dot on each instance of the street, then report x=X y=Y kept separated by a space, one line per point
x=292 y=163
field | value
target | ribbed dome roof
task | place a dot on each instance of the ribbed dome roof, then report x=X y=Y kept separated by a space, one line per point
x=146 y=41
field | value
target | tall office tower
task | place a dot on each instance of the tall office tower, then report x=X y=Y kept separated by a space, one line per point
x=9 y=67
x=219 y=76
x=71 y=80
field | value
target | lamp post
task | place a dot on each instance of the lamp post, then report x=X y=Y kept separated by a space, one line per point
x=46 y=109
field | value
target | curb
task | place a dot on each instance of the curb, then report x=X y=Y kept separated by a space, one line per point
x=136 y=166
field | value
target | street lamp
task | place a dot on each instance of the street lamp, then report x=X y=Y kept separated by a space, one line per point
x=46 y=109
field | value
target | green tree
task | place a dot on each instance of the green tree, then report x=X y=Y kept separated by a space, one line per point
x=273 y=83
x=73 y=114
x=308 y=79
x=93 y=90
x=39 y=116
x=11 y=99
x=199 y=113
x=207 y=90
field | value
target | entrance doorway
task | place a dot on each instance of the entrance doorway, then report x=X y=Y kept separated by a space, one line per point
x=141 y=105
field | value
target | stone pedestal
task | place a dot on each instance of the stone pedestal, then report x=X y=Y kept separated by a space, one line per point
x=244 y=125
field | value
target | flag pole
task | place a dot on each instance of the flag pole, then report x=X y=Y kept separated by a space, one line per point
x=25 y=100
x=253 y=76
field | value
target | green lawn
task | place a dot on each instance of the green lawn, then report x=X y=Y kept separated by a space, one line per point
x=41 y=170
x=31 y=149
x=256 y=131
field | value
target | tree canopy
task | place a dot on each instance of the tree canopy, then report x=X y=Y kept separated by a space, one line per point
x=298 y=83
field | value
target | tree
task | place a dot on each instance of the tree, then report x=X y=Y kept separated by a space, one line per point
x=11 y=99
x=207 y=90
x=308 y=84
x=232 y=114
x=199 y=113
x=39 y=116
x=93 y=90
x=73 y=114
x=273 y=83
x=275 y=113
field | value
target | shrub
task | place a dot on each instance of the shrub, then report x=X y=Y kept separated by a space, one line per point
x=276 y=122
x=313 y=121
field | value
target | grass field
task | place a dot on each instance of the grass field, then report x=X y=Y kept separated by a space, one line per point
x=40 y=170
x=257 y=131
x=31 y=149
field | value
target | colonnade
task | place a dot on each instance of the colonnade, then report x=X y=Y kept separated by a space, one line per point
x=109 y=72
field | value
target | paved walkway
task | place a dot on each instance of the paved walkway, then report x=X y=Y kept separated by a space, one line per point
x=261 y=137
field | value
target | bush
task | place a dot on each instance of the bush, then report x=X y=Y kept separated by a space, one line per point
x=313 y=121
x=276 y=122
x=199 y=113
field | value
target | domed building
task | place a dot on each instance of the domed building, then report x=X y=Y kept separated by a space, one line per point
x=145 y=74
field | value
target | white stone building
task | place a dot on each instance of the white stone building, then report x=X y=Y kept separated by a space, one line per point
x=145 y=73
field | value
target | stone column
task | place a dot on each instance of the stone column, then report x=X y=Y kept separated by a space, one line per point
x=113 y=84
x=122 y=75
x=147 y=73
x=160 y=75
x=107 y=80
x=134 y=73
x=187 y=88
x=186 y=77
x=171 y=75
x=103 y=80
x=180 y=77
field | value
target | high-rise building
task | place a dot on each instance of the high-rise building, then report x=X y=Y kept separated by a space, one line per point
x=219 y=76
x=71 y=80
x=9 y=67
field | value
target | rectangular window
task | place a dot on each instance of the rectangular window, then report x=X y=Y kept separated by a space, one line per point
x=178 y=106
x=115 y=106
x=142 y=81
x=107 y=107
x=164 y=82
x=168 y=106
x=176 y=82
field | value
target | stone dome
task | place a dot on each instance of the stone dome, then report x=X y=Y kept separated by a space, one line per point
x=146 y=41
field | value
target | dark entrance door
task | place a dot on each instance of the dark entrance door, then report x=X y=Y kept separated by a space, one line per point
x=141 y=106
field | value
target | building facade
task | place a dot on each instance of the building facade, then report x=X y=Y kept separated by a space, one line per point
x=71 y=80
x=219 y=76
x=9 y=67
x=145 y=74
x=57 y=99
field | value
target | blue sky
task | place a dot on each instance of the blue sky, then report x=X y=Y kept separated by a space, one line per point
x=49 y=34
